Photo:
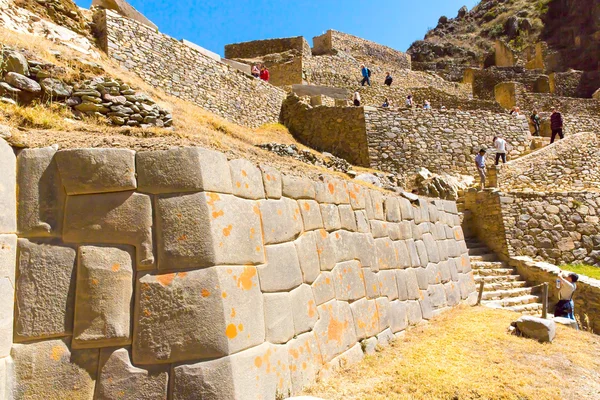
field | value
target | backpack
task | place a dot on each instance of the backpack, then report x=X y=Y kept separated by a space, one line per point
x=369 y=72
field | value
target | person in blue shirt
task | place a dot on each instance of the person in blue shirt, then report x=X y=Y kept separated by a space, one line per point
x=366 y=74
x=480 y=164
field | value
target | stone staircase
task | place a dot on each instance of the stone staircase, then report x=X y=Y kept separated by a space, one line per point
x=503 y=287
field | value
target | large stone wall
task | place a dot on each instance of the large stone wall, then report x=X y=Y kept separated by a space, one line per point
x=260 y=48
x=556 y=227
x=485 y=80
x=441 y=141
x=337 y=130
x=184 y=72
x=569 y=164
x=179 y=274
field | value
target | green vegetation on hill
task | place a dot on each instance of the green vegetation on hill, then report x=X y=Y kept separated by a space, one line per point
x=582 y=269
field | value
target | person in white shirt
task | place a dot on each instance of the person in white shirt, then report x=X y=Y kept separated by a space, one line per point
x=500 y=145
x=566 y=285
x=356 y=99
x=409 y=101
x=480 y=164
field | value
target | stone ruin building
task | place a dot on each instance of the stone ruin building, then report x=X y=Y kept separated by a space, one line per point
x=181 y=274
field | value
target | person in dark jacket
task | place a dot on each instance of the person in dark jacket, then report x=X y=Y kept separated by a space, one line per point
x=388 y=79
x=556 y=124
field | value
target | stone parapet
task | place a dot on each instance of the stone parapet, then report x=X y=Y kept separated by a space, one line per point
x=180 y=272
x=183 y=71
x=259 y=48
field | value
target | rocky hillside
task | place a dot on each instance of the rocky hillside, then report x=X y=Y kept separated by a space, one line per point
x=570 y=28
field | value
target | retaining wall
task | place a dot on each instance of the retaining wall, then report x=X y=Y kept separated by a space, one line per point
x=184 y=72
x=260 y=48
x=180 y=274
x=557 y=227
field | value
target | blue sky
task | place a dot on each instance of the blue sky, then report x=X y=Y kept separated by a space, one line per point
x=213 y=24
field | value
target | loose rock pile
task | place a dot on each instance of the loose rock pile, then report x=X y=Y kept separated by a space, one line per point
x=119 y=102
x=330 y=162
x=26 y=81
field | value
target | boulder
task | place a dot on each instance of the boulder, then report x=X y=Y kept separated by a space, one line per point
x=125 y=9
x=22 y=82
x=566 y=322
x=15 y=62
x=511 y=27
x=536 y=328
x=56 y=88
x=462 y=12
x=596 y=95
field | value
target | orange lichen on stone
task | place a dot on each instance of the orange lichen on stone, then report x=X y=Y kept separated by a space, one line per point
x=323 y=233
x=57 y=353
x=279 y=212
x=307 y=206
x=217 y=214
x=224 y=295
x=231 y=331
x=256 y=210
x=311 y=308
x=147 y=313
x=238 y=184
x=205 y=293
x=258 y=362
x=245 y=281
x=335 y=330
x=232 y=312
x=95 y=281
x=213 y=197
x=244 y=173
x=240 y=327
x=252 y=232
x=165 y=279
x=182 y=237
x=116 y=267
x=227 y=230
x=331 y=188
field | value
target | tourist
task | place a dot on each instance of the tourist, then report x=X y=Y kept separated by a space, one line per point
x=480 y=164
x=516 y=111
x=356 y=99
x=426 y=106
x=255 y=71
x=386 y=103
x=264 y=74
x=556 y=124
x=500 y=145
x=366 y=74
x=535 y=120
x=388 y=79
x=409 y=101
x=566 y=283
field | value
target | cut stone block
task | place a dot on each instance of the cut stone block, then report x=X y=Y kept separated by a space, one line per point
x=49 y=370
x=331 y=217
x=282 y=270
x=386 y=254
x=377 y=202
x=392 y=209
x=279 y=322
x=298 y=187
x=104 y=297
x=466 y=283
x=85 y=171
x=414 y=312
x=304 y=309
x=185 y=169
x=371 y=283
x=335 y=329
x=8 y=257
x=114 y=218
x=437 y=295
x=444 y=274
x=347 y=218
x=406 y=209
x=199 y=314
x=401 y=278
x=344 y=243
x=442 y=249
x=350 y=357
x=452 y=293
x=272 y=181
x=363 y=246
x=412 y=284
x=45 y=291
x=433 y=274
x=422 y=253
x=333 y=191
x=426 y=306
x=379 y=229
x=7 y=295
x=41 y=197
x=385 y=338
x=366 y=319
x=387 y=284
x=7 y=379
x=383 y=307
x=8 y=189
x=257 y=373
x=358 y=195
x=306 y=246
x=398 y=316
x=311 y=214
x=542 y=330
x=453 y=266
x=281 y=220
x=362 y=223
x=413 y=254
x=305 y=361
x=324 y=192
x=206 y=229
x=323 y=288
x=348 y=281
x=326 y=250
x=119 y=379
x=246 y=179
x=403 y=255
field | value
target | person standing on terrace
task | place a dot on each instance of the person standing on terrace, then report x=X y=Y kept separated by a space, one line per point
x=535 y=120
x=388 y=79
x=500 y=145
x=366 y=74
x=556 y=124
x=356 y=99
x=264 y=74
x=255 y=71
x=480 y=164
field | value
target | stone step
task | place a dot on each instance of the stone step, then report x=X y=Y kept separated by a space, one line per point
x=484 y=257
x=512 y=301
x=529 y=309
x=494 y=271
x=478 y=251
x=488 y=279
x=507 y=285
x=489 y=264
x=506 y=294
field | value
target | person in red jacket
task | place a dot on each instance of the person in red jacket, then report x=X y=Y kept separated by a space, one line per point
x=264 y=73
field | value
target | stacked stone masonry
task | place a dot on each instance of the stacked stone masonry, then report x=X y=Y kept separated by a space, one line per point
x=184 y=72
x=181 y=274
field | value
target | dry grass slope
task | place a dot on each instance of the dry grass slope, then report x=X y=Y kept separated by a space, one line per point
x=466 y=353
